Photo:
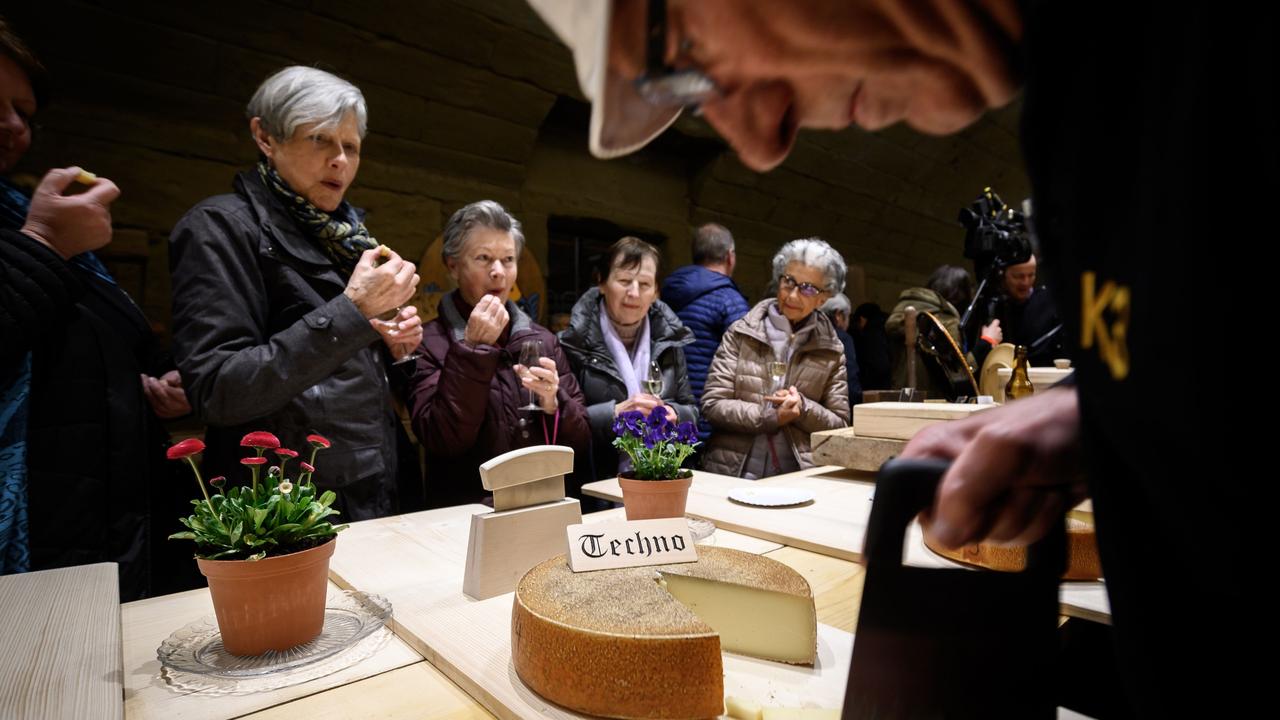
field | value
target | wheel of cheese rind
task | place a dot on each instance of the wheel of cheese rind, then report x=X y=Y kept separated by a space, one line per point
x=645 y=642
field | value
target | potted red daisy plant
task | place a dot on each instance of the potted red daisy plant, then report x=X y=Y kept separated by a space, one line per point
x=264 y=547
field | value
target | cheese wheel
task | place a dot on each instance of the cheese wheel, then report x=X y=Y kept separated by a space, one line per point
x=619 y=643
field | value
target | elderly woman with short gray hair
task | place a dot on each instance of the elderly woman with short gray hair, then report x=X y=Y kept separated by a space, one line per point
x=287 y=312
x=779 y=374
x=474 y=397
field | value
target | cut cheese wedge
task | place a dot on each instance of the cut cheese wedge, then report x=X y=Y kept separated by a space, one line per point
x=762 y=623
x=635 y=643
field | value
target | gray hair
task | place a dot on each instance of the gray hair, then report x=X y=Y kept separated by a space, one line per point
x=815 y=253
x=838 y=303
x=485 y=213
x=298 y=95
x=712 y=243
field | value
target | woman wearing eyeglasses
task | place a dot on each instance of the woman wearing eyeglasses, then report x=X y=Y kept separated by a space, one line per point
x=779 y=374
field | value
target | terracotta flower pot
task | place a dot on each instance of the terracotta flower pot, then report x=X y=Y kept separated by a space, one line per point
x=649 y=499
x=269 y=604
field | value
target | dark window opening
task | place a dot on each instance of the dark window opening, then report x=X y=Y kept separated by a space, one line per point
x=576 y=251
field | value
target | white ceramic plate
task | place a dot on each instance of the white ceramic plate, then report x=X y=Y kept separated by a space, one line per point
x=770 y=496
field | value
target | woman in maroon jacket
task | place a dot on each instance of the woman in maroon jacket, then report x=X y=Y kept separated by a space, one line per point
x=469 y=389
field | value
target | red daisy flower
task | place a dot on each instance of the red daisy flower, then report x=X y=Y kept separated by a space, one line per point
x=308 y=466
x=253 y=461
x=319 y=441
x=260 y=439
x=185 y=449
x=219 y=481
x=286 y=452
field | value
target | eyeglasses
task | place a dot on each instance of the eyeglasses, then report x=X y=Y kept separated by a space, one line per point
x=662 y=84
x=786 y=283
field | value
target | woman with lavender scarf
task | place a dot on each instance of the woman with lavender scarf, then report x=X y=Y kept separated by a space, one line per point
x=627 y=350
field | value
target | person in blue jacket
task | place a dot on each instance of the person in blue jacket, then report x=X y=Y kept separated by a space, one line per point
x=707 y=300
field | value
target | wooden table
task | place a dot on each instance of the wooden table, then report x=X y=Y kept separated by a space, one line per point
x=60 y=644
x=416 y=561
x=834 y=524
x=147 y=695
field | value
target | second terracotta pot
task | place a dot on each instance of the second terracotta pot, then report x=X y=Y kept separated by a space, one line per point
x=649 y=499
x=269 y=604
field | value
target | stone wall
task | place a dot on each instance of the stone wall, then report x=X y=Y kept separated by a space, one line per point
x=469 y=100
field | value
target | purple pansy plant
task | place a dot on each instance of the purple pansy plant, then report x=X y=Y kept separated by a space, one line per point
x=656 y=446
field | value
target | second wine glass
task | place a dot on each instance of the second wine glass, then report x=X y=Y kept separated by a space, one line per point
x=530 y=354
x=653 y=383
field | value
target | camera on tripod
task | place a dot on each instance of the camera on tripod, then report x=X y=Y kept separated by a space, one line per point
x=996 y=235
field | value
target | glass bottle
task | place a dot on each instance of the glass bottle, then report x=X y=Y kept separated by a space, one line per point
x=1019 y=385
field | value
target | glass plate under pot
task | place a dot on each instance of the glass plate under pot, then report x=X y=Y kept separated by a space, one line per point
x=349 y=617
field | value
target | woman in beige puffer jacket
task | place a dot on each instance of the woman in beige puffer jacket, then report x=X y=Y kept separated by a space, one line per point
x=756 y=434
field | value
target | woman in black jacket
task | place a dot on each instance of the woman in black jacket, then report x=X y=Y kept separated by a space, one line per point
x=277 y=293
x=618 y=333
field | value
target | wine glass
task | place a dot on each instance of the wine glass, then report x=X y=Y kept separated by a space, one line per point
x=653 y=383
x=530 y=354
x=777 y=376
x=387 y=321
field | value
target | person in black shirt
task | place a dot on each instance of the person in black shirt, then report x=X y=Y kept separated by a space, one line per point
x=1144 y=128
x=1024 y=314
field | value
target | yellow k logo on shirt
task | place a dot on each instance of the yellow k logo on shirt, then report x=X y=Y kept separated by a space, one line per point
x=1104 y=320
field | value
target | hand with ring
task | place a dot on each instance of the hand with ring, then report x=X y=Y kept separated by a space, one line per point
x=543 y=381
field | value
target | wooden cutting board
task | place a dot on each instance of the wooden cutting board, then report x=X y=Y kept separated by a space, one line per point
x=901 y=421
x=832 y=525
x=417 y=562
x=847 y=449
x=149 y=622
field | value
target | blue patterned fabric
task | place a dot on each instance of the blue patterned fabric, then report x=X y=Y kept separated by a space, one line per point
x=14 y=548
x=13 y=206
x=15 y=387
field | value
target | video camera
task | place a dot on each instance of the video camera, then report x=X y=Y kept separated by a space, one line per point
x=996 y=235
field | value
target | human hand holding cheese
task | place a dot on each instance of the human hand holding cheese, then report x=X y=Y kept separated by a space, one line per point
x=381 y=281
x=71 y=224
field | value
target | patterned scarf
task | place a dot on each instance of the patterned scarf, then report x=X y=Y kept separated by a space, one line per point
x=340 y=234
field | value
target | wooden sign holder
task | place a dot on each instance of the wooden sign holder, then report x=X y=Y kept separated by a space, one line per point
x=528 y=522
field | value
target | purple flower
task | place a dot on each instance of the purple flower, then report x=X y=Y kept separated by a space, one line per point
x=658 y=417
x=654 y=436
x=687 y=433
x=631 y=422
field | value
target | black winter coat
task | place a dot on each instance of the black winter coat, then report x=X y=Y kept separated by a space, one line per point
x=95 y=450
x=465 y=404
x=602 y=385
x=266 y=340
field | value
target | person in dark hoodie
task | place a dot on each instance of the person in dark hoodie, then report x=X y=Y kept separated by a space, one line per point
x=870 y=342
x=837 y=309
x=707 y=300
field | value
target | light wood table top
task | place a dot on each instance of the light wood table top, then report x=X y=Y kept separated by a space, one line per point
x=60 y=644
x=147 y=695
x=416 y=561
x=833 y=524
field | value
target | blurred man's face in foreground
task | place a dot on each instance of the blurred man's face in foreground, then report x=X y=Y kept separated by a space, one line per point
x=786 y=64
